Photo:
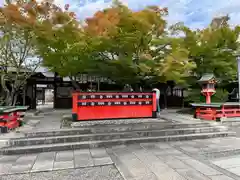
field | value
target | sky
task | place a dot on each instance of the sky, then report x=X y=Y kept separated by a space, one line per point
x=194 y=13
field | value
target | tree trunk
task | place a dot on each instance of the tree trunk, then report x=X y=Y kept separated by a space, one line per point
x=7 y=95
x=14 y=100
x=74 y=83
x=9 y=98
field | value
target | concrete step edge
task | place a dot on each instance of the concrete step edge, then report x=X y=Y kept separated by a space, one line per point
x=92 y=128
x=214 y=134
x=221 y=154
x=119 y=133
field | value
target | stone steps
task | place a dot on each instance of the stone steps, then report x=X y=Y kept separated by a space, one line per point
x=178 y=117
x=221 y=153
x=29 y=141
x=114 y=128
x=97 y=135
x=110 y=142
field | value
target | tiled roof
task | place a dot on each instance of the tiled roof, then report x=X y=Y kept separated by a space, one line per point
x=207 y=77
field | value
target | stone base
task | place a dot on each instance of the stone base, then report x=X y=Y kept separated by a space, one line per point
x=115 y=122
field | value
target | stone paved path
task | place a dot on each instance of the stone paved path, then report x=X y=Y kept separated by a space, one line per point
x=207 y=159
x=173 y=161
x=183 y=160
x=50 y=161
x=48 y=120
x=108 y=172
x=51 y=119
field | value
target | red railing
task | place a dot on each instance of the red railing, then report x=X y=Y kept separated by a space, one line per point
x=215 y=113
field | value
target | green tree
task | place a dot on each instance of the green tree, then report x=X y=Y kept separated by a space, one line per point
x=116 y=43
x=17 y=44
x=124 y=38
x=194 y=95
x=171 y=59
x=209 y=48
x=64 y=46
x=113 y=43
x=133 y=45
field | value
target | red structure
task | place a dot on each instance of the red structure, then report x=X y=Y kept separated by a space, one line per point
x=208 y=82
x=214 y=111
x=9 y=120
x=10 y=117
x=113 y=105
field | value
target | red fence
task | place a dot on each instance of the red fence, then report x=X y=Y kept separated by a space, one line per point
x=109 y=105
x=217 y=111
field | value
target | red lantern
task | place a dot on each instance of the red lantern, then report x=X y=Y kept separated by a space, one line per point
x=208 y=82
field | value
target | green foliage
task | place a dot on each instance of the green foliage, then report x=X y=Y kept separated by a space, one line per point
x=194 y=95
x=17 y=47
x=171 y=60
x=114 y=43
x=127 y=46
x=125 y=51
x=212 y=49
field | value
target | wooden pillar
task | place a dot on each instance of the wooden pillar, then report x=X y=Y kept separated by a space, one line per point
x=55 y=91
x=165 y=99
x=55 y=96
x=165 y=88
x=98 y=84
x=43 y=96
x=33 y=96
x=24 y=95
x=182 y=95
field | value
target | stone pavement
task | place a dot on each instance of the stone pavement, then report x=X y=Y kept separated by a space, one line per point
x=49 y=119
x=205 y=159
x=108 y=172
x=50 y=161
x=171 y=114
x=185 y=160
x=208 y=159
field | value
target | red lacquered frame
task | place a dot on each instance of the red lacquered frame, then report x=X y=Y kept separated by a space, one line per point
x=99 y=112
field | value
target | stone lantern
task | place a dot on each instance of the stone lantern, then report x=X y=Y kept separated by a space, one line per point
x=208 y=82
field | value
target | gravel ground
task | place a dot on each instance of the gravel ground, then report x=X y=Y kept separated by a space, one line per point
x=118 y=121
x=93 y=173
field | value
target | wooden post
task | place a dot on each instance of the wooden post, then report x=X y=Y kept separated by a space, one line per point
x=24 y=95
x=98 y=85
x=182 y=95
x=34 y=95
x=55 y=91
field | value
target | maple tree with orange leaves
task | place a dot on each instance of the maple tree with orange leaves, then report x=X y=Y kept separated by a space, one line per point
x=117 y=43
x=114 y=43
x=126 y=38
x=21 y=23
